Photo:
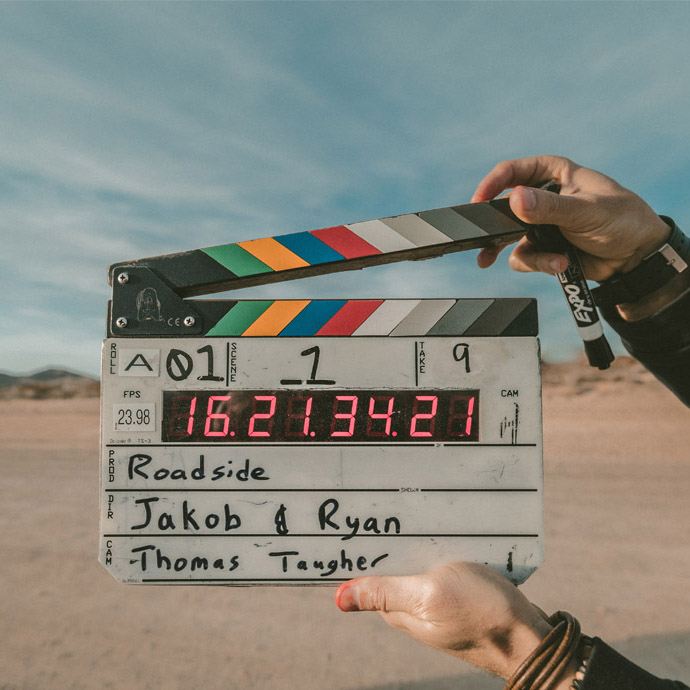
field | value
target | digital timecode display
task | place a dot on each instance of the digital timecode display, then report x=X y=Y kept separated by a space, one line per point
x=320 y=416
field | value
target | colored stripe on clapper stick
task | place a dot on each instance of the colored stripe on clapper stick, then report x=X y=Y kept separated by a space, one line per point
x=269 y=251
x=345 y=242
x=240 y=317
x=238 y=260
x=276 y=317
x=349 y=317
x=312 y=317
x=310 y=248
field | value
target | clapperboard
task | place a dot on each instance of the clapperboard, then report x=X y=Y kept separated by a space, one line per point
x=309 y=441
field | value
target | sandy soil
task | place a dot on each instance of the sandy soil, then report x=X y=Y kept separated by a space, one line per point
x=617 y=468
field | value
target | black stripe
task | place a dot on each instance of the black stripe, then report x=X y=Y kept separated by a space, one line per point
x=501 y=316
x=495 y=218
x=457 y=226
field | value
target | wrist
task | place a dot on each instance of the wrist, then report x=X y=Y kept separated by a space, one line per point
x=640 y=290
x=655 y=238
x=554 y=664
x=524 y=639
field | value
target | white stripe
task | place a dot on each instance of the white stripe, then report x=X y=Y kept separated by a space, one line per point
x=387 y=317
x=413 y=228
x=591 y=332
x=385 y=239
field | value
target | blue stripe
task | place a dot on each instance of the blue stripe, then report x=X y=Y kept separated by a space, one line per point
x=312 y=317
x=310 y=248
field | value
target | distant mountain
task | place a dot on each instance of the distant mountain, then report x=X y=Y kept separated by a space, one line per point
x=43 y=375
x=48 y=383
x=7 y=380
x=51 y=374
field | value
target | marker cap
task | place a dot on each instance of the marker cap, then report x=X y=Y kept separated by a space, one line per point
x=599 y=353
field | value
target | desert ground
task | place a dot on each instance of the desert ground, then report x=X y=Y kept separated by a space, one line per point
x=617 y=516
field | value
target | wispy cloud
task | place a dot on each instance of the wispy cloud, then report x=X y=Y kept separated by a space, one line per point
x=134 y=129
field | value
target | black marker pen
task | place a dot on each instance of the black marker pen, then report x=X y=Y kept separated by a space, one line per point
x=549 y=238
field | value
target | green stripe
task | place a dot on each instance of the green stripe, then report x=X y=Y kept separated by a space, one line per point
x=237 y=260
x=240 y=317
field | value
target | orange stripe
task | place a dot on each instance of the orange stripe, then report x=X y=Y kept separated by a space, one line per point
x=276 y=317
x=273 y=254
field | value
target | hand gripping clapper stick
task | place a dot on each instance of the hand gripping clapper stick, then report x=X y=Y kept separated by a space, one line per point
x=309 y=441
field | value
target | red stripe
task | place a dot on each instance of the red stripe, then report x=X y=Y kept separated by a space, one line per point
x=349 y=317
x=345 y=242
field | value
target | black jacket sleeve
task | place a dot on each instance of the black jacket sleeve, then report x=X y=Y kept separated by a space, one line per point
x=608 y=670
x=661 y=342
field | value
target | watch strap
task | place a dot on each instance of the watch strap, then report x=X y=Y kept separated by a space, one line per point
x=653 y=273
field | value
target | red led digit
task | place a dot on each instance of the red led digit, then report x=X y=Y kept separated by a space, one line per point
x=464 y=415
x=213 y=417
x=262 y=415
x=192 y=410
x=470 y=412
x=380 y=415
x=344 y=415
x=431 y=415
x=304 y=416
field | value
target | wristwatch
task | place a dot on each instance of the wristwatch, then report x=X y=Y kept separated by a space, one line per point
x=653 y=273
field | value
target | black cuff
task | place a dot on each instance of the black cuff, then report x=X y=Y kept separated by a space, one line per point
x=608 y=670
x=661 y=342
x=665 y=331
x=653 y=273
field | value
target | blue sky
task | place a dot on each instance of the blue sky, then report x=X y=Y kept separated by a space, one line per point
x=136 y=129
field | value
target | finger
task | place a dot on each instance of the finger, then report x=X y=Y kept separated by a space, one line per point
x=488 y=256
x=539 y=206
x=378 y=593
x=522 y=171
x=526 y=258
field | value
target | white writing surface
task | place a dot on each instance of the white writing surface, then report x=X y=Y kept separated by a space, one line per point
x=314 y=460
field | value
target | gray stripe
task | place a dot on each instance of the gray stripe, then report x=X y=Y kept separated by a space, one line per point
x=454 y=225
x=489 y=218
x=460 y=317
x=419 y=232
x=423 y=317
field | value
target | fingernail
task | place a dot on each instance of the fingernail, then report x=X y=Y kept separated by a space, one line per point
x=529 y=201
x=556 y=265
x=346 y=598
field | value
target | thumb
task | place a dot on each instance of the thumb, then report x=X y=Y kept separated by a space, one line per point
x=539 y=206
x=377 y=593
